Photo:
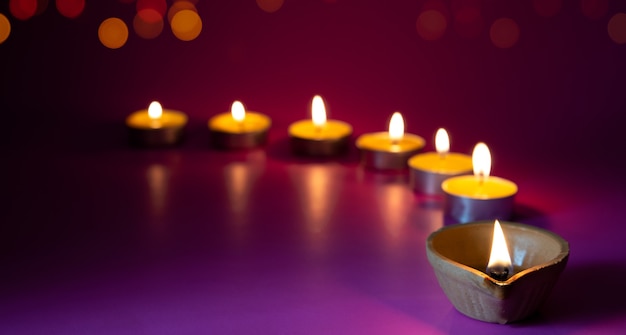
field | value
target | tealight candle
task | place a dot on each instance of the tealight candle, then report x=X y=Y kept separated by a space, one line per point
x=430 y=169
x=389 y=150
x=155 y=126
x=319 y=136
x=239 y=129
x=479 y=197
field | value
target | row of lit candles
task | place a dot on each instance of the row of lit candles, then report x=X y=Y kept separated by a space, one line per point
x=467 y=198
x=442 y=172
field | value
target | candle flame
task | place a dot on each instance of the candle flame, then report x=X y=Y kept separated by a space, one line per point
x=396 y=127
x=155 y=110
x=481 y=161
x=442 y=141
x=238 y=111
x=318 y=111
x=500 y=258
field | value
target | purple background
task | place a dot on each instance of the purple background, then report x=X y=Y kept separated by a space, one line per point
x=100 y=238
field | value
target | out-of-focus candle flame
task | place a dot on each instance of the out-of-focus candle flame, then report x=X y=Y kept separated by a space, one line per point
x=481 y=161
x=155 y=110
x=442 y=142
x=396 y=127
x=238 y=111
x=500 y=259
x=318 y=111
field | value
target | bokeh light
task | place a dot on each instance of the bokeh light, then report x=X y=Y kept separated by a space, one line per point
x=160 y=6
x=41 y=6
x=148 y=24
x=23 y=9
x=594 y=9
x=617 y=28
x=270 y=6
x=186 y=25
x=70 y=8
x=431 y=24
x=468 y=22
x=113 y=33
x=547 y=8
x=178 y=6
x=504 y=33
x=5 y=28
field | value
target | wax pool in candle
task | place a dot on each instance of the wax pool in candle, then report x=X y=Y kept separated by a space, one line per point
x=389 y=150
x=429 y=170
x=156 y=126
x=239 y=129
x=479 y=197
x=319 y=136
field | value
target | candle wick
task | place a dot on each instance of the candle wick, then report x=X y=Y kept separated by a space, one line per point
x=442 y=155
x=497 y=272
x=241 y=125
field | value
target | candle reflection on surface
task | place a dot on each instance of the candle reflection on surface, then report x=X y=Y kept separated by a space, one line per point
x=240 y=178
x=158 y=176
x=318 y=187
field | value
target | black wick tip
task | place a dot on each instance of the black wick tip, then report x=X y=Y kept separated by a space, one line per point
x=500 y=273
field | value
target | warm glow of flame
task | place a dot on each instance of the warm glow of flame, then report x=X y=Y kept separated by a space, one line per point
x=238 y=111
x=442 y=141
x=318 y=111
x=396 y=127
x=155 y=110
x=481 y=161
x=499 y=258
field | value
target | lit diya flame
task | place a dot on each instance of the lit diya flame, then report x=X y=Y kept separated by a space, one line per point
x=500 y=266
x=238 y=111
x=481 y=161
x=396 y=128
x=155 y=110
x=442 y=142
x=318 y=112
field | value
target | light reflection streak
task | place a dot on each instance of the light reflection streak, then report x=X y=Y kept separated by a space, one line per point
x=240 y=178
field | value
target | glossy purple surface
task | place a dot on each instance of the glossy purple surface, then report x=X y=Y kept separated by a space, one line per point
x=97 y=237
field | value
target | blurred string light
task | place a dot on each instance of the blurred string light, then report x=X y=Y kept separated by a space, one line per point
x=5 y=28
x=432 y=22
x=617 y=28
x=547 y=8
x=113 y=33
x=468 y=20
x=23 y=9
x=504 y=33
x=594 y=9
x=186 y=25
x=270 y=6
x=70 y=8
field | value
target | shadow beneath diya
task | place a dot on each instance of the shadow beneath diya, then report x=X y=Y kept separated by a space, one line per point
x=584 y=295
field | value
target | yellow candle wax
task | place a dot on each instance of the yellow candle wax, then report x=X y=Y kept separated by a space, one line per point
x=331 y=130
x=383 y=143
x=471 y=187
x=251 y=123
x=168 y=119
x=448 y=164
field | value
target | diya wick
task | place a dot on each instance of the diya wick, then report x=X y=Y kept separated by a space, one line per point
x=430 y=169
x=508 y=283
x=389 y=150
x=481 y=196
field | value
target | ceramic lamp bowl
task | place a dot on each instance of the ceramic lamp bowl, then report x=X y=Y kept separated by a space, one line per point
x=459 y=255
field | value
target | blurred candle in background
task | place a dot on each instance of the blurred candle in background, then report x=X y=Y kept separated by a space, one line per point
x=319 y=136
x=430 y=169
x=239 y=129
x=389 y=150
x=156 y=127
